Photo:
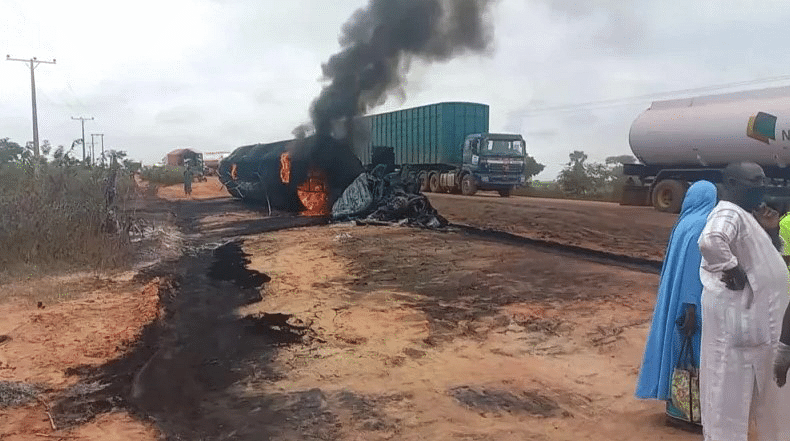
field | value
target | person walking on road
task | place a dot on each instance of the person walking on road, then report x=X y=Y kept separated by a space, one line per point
x=677 y=312
x=188 y=176
x=745 y=292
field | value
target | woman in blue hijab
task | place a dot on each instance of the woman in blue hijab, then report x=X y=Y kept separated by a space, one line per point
x=678 y=300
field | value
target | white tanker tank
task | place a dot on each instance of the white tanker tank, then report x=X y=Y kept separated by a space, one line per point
x=683 y=140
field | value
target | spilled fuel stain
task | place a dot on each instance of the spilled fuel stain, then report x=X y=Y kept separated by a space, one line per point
x=186 y=371
x=230 y=263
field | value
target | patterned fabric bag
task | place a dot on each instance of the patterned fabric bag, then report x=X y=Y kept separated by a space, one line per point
x=685 y=384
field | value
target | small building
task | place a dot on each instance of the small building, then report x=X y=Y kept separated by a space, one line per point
x=178 y=156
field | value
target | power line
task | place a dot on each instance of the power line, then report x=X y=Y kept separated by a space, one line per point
x=638 y=98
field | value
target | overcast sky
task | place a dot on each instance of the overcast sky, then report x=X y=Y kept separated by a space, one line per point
x=217 y=74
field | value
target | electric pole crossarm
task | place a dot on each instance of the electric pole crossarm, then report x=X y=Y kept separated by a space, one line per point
x=32 y=60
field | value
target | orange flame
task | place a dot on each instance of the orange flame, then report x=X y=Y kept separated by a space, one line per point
x=285 y=168
x=313 y=192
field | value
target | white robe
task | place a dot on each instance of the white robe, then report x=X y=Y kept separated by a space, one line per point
x=740 y=330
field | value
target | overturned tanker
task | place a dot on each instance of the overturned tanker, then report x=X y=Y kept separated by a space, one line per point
x=303 y=175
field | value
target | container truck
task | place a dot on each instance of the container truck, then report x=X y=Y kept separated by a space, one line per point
x=446 y=146
x=680 y=141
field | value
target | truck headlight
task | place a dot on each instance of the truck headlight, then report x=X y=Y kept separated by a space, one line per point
x=523 y=179
x=485 y=178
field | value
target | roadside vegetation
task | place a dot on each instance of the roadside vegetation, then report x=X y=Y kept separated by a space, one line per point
x=163 y=174
x=584 y=180
x=58 y=213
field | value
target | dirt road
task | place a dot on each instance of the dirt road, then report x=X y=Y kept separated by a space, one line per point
x=336 y=332
x=633 y=231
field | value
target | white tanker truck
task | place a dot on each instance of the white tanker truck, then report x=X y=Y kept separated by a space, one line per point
x=684 y=140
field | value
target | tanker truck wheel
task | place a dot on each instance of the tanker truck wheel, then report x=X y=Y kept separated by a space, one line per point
x=668 y=195
x=424 y=185
x=468 y=185
x=504 y=193
x=433 y=183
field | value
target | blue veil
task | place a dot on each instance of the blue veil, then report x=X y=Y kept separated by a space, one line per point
x=680 y=285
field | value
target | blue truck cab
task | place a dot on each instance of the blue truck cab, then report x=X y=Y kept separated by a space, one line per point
x=493 y=161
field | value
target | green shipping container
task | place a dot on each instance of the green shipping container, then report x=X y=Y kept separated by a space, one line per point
x=432 y=134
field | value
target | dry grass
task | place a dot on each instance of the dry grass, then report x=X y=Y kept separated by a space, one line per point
x=60 y=217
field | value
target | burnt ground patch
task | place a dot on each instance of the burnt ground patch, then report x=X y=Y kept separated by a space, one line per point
x=368 y=412
x=189 y=212
x=14 y=393
x=497 y=401
x=188 y=369
x=459 y=285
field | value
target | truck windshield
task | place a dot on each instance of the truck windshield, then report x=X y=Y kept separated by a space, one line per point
x=513 y=147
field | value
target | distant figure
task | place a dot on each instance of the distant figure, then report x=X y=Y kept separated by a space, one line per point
x=744 y=298
x=677 y=311
x=188 y=181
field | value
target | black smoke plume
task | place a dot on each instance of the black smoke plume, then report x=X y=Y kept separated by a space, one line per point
x=380 y=40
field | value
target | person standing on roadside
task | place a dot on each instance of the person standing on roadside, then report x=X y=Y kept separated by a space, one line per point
x=745 y=292
x=677 y=312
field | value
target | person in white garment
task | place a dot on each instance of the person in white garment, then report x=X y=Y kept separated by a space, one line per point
x=744 y=297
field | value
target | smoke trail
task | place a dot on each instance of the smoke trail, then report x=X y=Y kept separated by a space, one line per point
x=381 y=39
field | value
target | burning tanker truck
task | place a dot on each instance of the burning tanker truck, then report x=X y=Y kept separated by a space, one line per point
x=301 y=175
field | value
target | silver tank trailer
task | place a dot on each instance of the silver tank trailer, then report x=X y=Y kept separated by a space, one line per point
x=715 y=130
x=685 y=137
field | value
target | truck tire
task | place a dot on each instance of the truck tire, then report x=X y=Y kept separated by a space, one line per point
x=433 y=182
x=468 y=185
x=505 y=193
x=422 y=177
x=668 y=195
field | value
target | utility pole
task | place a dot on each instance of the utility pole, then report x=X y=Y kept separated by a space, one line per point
x=33 y=63
x=83 y=119
x=93 y=155
x=101 y=135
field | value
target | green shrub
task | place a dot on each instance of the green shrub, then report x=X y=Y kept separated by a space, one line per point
x=164 y=175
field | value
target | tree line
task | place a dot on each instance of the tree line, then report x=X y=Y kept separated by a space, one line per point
x=13 y=153
x=583 y=178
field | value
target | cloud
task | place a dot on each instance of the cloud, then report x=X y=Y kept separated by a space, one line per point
x=542 y=133
x=179 y=116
